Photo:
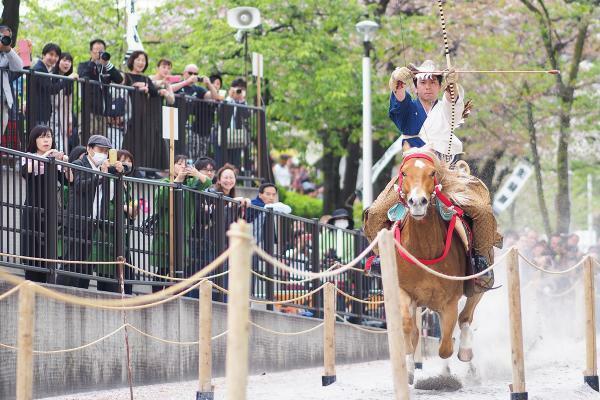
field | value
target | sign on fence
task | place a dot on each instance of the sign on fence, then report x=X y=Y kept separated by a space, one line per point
x=170 y=126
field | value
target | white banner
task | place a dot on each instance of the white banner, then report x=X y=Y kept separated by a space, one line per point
x=170 y=118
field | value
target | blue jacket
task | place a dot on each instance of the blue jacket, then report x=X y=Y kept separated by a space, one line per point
x=408 y=115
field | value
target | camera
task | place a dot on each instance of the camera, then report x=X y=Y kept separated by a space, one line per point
x=6 y=40
x=105 y=56
x=239 y=91
x=190 y=162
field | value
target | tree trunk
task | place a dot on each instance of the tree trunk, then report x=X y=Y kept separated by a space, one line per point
x=350 y=175
x=10 y=17
x=537 y=168
x=331 y=175
x=563 y=202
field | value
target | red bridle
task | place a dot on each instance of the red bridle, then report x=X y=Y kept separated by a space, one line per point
x=437 y=192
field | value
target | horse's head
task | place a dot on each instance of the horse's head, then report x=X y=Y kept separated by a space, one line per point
x=416 y=182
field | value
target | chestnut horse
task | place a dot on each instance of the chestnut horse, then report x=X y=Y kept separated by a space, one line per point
x=424 y=233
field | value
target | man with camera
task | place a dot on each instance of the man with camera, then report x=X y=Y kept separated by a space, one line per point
x=101 y=70
x=8 y=58
x=188 y=85
x=236 y=123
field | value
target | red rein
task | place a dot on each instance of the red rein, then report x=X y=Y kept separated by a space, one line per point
x=443 y=199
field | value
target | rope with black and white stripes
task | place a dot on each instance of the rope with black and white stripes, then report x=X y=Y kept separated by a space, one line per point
x=451 y=87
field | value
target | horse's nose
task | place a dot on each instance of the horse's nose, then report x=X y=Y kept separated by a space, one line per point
x=419 y=202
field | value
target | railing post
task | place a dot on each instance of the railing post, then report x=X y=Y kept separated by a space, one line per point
x=51 y=219
x=221 y=239
x=518 y=391
x=591 y=365
x=205 y=388
x=238 y=311
x=357 y=307
x=86 y=109
x=179 y=228
x=119 y=217
x=393 y=305
x=224 y=124
x=317 y=298
x=269 y=238
x=25 y=342
x=329 y=335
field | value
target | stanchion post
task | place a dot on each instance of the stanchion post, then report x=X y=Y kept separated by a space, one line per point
x=329 y=335
x=236 y=363
x=590 y=374
x=419 y=349
x=392 y=302
x=205 y=389
x=25 y=343
x=518 y=391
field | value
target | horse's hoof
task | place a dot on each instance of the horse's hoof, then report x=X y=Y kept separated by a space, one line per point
x=465 y=355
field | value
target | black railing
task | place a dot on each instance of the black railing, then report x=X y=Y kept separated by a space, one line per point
x=131 y=119
x=55 y=210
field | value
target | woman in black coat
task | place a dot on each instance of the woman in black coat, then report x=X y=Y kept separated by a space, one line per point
x=37 y=190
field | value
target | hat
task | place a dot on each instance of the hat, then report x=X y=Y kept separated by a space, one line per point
x=425 y=70
x=341 y=213
x=99 y=140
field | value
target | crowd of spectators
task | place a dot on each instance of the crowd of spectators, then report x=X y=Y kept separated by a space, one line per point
x=291 y=175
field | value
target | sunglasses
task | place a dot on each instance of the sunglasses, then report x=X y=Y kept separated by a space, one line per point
x=192 y=73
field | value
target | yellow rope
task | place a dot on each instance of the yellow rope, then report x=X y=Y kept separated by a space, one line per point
x=223 y=290
x=349 y=296
x=314 y=328
x=58 y=261
x=360 y=328
x=11 y=291
x=112 y=303
x=444 y=276
x=314 y=275
x=72 y=349
x=172 y=341
x=291 y=282
x=552 y=272
x=169 y=277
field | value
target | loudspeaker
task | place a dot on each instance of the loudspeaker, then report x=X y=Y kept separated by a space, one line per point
x=243 y=18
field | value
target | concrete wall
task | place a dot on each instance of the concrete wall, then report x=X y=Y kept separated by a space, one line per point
x=59 y=326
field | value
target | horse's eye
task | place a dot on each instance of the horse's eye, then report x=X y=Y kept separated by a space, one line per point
x=404 y=174
x=432 y=174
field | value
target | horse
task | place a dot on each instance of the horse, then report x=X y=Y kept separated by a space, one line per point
x=424 y=233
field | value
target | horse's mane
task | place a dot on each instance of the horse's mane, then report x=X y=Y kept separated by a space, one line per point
x=455 y=183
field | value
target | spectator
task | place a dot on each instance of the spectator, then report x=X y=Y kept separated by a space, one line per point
x=62 y=104
x=87 y=206
x=161 y=79
x=337 y=243
x=149 y=148
x=226 y=182
x=188 y=85
x=267 y=198
x=281 y=171
x=104 y=241
x=236 y=125
x=37 y=189
x=8 y=58
x=206 y=166
x=97 y=98
x=44 y=87
x=187 y=175
x=217 y=81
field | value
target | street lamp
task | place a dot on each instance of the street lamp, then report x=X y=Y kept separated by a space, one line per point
x=367 y=29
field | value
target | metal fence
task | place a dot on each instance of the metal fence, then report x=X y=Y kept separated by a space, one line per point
x=56 y=210
x=132 y=120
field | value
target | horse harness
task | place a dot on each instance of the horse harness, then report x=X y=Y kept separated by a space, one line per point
x=452 y=209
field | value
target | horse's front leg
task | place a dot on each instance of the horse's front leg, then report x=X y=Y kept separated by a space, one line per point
x=448 y=318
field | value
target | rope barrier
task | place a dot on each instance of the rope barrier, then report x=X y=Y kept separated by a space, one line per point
x=360 y=328
x=119 y=304
x=11 y=291
x=111 y=334
x=291 y=282
x=72 y=349
x=444 y=276
x=551 y=272
x=314 y=328
x=276 y=302
x=170 y=277
x=349 y=296
x=315 y=275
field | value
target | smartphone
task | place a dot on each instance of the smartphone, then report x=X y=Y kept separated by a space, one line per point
x=190 y=162
x=112 y=156
x=24 y=52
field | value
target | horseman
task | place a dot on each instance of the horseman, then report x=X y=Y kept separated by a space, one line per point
x=426 y=122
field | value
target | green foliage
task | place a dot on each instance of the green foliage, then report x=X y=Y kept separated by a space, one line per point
x=302 y=205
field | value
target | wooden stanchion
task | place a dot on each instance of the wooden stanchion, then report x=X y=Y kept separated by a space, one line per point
x=205 y=389
x=419 y=349
x=392 y=302
x=517 y=388
x=591 y=364
x=329 y=334
x=236 y=379
x=25 y=343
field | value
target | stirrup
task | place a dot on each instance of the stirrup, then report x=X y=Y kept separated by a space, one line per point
x=484 y=282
